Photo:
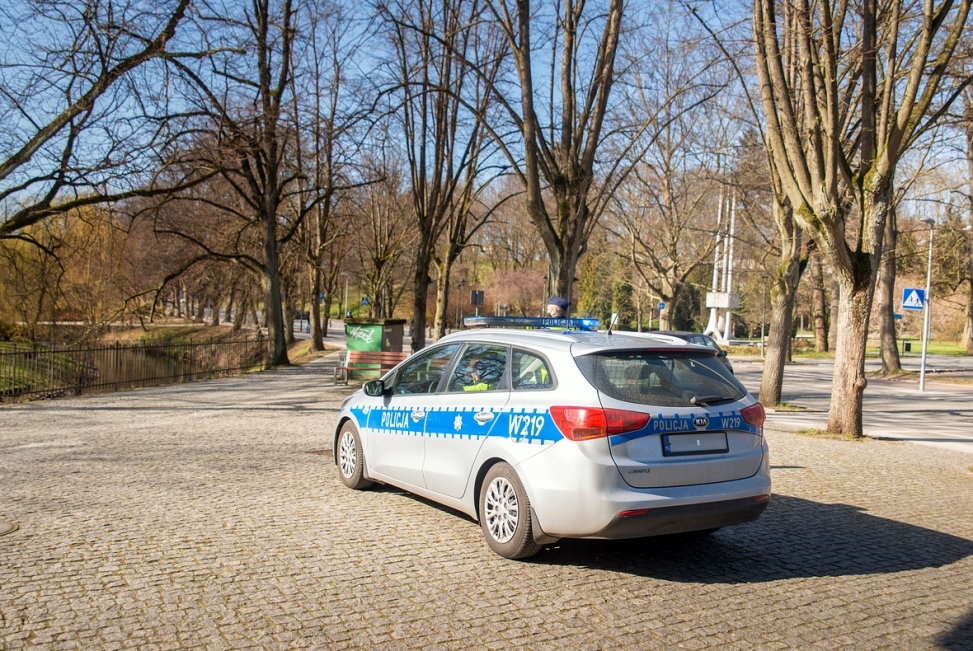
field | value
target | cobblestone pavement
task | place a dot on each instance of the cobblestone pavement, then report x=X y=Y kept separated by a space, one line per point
x=205 y=516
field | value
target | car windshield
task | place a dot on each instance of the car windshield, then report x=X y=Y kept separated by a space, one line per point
x=663 y=379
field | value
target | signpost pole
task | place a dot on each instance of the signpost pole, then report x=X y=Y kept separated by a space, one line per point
x=925 y=316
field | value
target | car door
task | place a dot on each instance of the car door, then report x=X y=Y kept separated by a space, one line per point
x=464 y=415
x=396 y=428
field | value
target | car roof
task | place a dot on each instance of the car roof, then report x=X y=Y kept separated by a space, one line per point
x=577 y=342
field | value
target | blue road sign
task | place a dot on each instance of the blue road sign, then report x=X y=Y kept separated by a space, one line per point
x=364 y=300
x=662 y=306
x=913 y=298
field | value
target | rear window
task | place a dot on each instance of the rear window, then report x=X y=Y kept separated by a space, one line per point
x=663 y=379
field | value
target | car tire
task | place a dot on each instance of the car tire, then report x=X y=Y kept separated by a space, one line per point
x=505 y=515
x=351 y=458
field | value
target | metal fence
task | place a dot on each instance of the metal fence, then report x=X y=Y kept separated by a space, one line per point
x=38 y=371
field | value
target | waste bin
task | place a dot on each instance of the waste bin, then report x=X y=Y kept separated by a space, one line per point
x=907 y=346
x=376 y=335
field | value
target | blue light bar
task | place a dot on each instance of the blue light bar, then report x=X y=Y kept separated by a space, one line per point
x=529 y=322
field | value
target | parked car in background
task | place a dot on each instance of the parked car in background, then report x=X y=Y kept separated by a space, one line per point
x=541 y=435
x=700 y=340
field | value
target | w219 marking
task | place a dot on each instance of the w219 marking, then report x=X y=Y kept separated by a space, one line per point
x=732 y=422
x=524 y=426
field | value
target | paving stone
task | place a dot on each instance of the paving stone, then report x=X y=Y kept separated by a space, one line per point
x=195 y=517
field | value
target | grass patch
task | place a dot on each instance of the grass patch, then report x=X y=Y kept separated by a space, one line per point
x=897 y=375
x=301 y=353
x=825 y=434
x=940 y=348
x=36 y=367
x=174 y=335
x=783 y=406
x=812 y=354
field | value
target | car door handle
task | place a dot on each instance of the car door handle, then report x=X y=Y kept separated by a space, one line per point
x=484 y=417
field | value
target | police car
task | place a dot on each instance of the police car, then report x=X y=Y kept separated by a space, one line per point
x=544 y=434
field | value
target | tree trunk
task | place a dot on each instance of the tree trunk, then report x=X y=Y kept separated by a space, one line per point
x=289 y=308
x=241 y=313
x=782 y=295
x=442 y=300
x=848 y=385
x=276 y=346
x=818 y=304
x=230 y=302
x=833 y=321
x=420 y=300
x=215 y=302
x=886 y=300
x=968 y=329
x=317 y=338
x=781 y=324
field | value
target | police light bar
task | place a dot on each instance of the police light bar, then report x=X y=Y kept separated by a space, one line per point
x=529 y=322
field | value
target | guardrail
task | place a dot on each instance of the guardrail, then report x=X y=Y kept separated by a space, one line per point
x=39 y=371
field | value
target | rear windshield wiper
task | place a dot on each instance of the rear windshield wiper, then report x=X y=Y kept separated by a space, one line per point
x=706 y=401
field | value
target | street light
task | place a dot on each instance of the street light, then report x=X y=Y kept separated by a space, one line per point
x=344 y=310
x=925 y=316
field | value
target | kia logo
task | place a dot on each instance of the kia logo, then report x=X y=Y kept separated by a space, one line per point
x=701 y=421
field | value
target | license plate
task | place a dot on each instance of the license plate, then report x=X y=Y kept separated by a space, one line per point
x=675 y=445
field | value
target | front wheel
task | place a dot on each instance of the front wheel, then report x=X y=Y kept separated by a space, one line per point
x=351 y=458
x=505 y=514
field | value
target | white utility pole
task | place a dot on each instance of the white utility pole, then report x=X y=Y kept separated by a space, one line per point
x=925 y=308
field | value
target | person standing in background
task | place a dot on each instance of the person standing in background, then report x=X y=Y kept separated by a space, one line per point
x=557 y=307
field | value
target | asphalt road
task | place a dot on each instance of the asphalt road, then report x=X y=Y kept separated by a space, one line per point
x=940 y=416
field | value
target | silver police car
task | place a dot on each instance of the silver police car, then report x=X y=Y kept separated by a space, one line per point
x=542 y=435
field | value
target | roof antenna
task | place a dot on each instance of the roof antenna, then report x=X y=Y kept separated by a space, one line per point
x=612 y=322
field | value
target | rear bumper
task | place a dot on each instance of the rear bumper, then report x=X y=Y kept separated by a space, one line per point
x=685 y=518
x=578 y=495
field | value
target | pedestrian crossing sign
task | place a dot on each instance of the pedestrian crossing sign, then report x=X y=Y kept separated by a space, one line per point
x=913 y=298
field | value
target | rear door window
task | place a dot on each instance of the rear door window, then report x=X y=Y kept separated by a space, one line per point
x=664 y=379
x=530 y=372
x=482 y=367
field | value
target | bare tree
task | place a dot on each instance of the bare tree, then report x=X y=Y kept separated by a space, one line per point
x=327 y=113
x=81 y=128
x=243 y=94
x=381 y=237
x=836 y=132
x=560 y=146
x=666 y=201
x=446 y=61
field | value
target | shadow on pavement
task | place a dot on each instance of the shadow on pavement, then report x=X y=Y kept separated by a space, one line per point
x=795 y=538
x=960 y=638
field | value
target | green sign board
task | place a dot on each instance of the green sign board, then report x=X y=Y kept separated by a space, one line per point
x=363 y=336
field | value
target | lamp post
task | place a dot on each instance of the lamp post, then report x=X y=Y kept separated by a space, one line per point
x=925 y=315
x=344 y=309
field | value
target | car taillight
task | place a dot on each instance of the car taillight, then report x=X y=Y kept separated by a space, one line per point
x=754 y=414
x=585 y=423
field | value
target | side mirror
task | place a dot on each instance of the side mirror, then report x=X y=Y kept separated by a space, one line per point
x=374 y=388
x=722 y=353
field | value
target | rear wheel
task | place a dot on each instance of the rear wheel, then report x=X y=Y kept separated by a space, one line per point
x=505 y=514
x=351 y=458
